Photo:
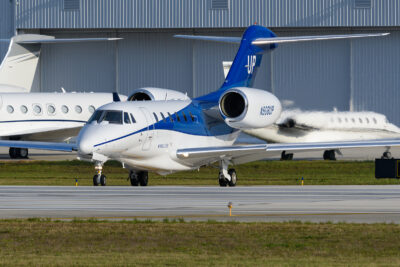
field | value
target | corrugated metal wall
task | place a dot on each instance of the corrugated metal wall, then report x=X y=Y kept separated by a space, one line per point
x=6 y=24
x=198 y=14
x=357 y=74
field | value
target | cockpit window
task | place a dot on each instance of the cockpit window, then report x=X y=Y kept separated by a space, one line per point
x=112 y=116
x=96 y=116
x=126 y=118
x=133 y=119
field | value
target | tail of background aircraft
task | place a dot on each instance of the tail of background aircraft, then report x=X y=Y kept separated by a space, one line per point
x=19 y=66
x=256 y=41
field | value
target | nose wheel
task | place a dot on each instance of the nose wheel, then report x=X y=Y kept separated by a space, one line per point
x=99 y=178
x=139 y=178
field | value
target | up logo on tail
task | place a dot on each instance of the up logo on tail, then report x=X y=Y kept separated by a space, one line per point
x=251 y=63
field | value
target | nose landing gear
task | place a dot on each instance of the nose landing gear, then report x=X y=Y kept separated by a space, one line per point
x=99 y=178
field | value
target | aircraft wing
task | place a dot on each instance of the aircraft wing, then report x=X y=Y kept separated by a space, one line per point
x=246 y=153
x=40 y=145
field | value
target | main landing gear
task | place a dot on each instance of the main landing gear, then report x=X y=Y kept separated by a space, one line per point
x=18 y=153
x=99 y=178
x=286 y=156
x=139 y=178
x=329 y=155
x=226 y=177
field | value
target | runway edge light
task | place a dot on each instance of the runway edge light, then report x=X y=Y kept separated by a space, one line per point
x=230 y=205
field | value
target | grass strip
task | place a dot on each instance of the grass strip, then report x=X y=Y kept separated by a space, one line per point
x=255 y=173
x=92 y=242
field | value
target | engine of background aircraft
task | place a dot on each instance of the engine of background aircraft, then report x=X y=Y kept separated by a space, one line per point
x=247 y=108
x=156 y=94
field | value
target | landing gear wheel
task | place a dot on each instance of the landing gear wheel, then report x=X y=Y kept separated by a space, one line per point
x=387 y=155
x=103 y=180
x=13 y=152
x=232 y=174
x=23 y=153
x=223 y=182
x=96 y=179
x=133 y=178
x=329 y=155
x=288 y=156
x=143 y=178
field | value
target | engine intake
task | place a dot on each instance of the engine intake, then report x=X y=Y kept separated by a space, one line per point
x=233 y=104
x=248 y=108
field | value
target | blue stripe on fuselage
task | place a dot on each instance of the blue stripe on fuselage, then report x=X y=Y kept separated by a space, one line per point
x=202 y=126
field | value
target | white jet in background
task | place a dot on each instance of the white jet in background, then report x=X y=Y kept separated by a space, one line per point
x=298 y=126
x=318 y=126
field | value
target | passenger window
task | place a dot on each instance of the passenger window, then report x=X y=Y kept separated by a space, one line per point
x=184 y=116
x=163 y=117
x=91 y=109
x=374 y=120
x=24 y=109
x=170 y=117
x=64 y=109
x=78 y=109
x=51 y=109
x=177 y=117
x=133 y=118
x=37 y=109
x=353 y=120
x=360 y=120
x=126 y=118
x=155 y=116
x=346 y=120
x=191 y=116
x=10 y=109
x=367 y=120
x=339 y=120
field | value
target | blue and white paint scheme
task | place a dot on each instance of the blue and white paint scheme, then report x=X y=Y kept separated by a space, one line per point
x=166 y=136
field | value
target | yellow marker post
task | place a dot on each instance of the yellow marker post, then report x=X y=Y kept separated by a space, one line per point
x=302 y=181
x=230 y=208
x=76 y=182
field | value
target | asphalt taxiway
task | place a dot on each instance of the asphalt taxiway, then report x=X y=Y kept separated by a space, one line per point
x=364 y=204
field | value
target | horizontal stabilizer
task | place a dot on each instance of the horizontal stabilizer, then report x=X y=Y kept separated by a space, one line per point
x=279 y=40
x=66 y=40
x=235 y=40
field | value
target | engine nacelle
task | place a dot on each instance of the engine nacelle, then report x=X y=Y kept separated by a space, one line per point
x=248 y=108
x=155 y=94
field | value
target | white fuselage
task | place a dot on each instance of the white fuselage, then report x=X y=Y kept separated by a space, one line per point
x=298 y=126
x=47 y=116
x=148 y=144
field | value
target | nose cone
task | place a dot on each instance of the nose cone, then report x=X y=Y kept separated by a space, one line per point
x=85 y=147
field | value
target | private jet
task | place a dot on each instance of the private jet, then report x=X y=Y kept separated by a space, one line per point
x=166 y=136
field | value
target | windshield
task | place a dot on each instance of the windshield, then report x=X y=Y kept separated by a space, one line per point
x=96 y=116
x=112 y=116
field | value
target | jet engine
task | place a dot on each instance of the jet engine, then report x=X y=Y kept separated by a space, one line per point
x=155 y=94
x=248 y=108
